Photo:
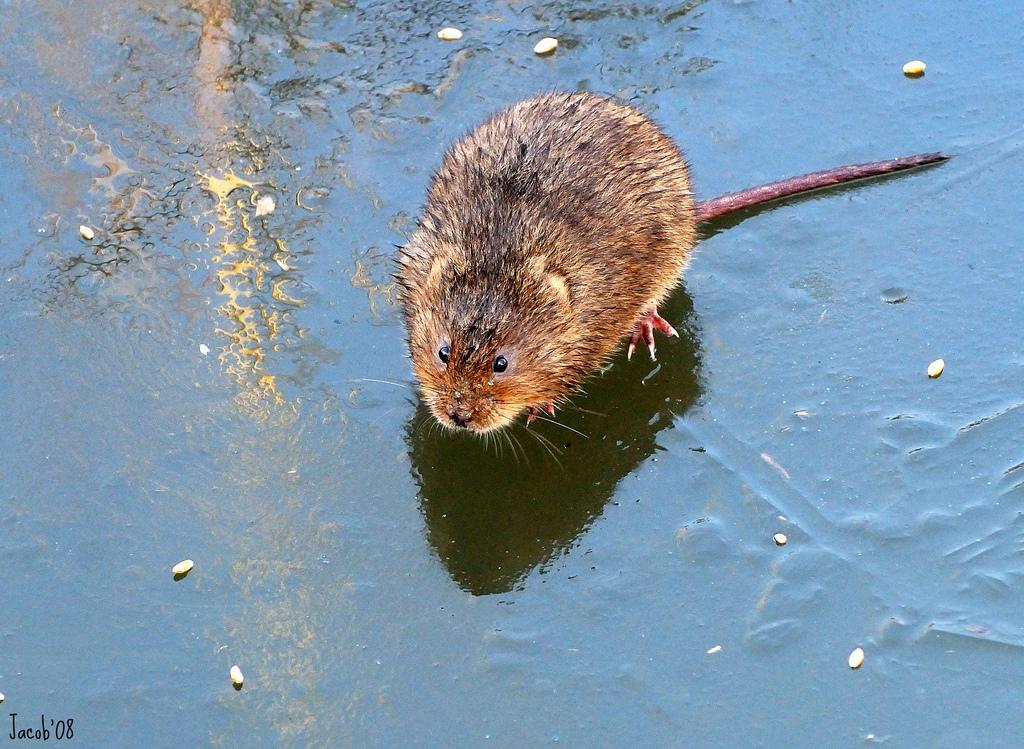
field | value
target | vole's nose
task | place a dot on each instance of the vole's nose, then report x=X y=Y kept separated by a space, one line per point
x=460 y=415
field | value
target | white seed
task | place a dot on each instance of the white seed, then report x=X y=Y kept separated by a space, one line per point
x=856 y=658
x=265 y=205
x=87 y=232
x=546 y=46
x=914 y=68
x=204 y=349
x=715 y=649
x=448 y=34
x=780 y=539
x=183 y=567
x=236 y=676
x=935 y=368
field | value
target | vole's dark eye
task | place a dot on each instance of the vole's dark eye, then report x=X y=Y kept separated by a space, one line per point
x=500 y=364
x=444 y=353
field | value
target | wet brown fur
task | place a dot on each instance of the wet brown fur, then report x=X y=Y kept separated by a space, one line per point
x=546 y=232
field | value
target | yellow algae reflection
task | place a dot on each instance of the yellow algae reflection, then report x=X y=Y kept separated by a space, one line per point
x=221 y=187
x=250 y=268
x=363 y=278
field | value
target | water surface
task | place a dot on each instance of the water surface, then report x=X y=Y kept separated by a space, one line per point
x=204 y=379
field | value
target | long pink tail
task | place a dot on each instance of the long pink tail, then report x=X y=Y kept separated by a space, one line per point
x=735 y=201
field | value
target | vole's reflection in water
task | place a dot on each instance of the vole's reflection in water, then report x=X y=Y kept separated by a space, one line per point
x=493 y=515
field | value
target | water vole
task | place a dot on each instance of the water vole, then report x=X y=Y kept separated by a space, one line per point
x=550 y=232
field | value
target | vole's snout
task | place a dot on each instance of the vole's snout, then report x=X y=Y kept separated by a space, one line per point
x=460 y=412
x=460 y=415
x=468 y=409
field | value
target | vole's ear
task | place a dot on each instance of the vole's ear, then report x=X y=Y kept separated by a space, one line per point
x=555 y=280
x=560 y=285
x=418 y=267
x=450 y=260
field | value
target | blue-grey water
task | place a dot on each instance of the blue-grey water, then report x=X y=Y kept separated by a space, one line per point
x=208 y=380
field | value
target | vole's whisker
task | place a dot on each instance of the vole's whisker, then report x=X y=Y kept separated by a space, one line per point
x=516 y=444
x=511 y=445
x=418 y=424
x=564 y=426
x=549 y=446
x=384 y=382
x=568 y=404
x=491 y=441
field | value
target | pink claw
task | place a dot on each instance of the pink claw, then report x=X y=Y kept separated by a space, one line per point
x=533 y=411
x=645 y=327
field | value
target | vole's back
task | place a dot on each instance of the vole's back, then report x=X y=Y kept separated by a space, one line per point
x=593 y=188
